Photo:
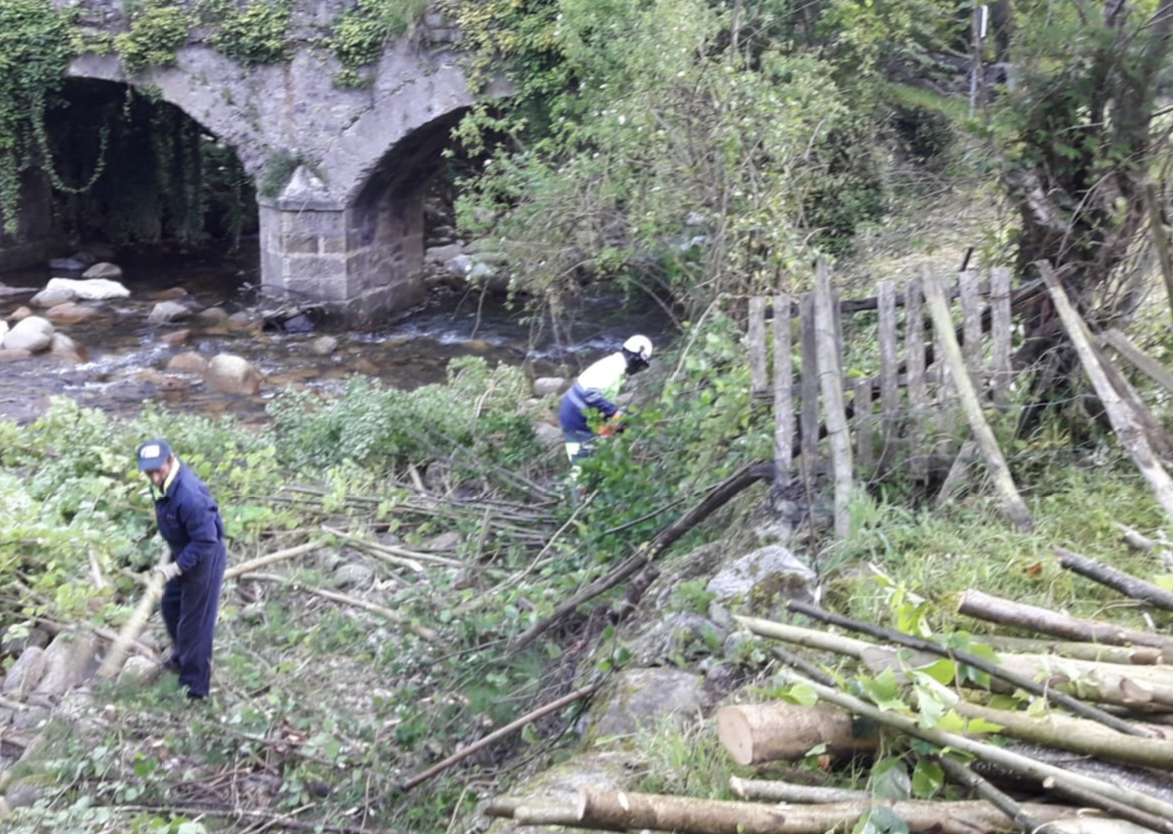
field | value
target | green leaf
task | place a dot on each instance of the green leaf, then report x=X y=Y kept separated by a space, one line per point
x=927 y=778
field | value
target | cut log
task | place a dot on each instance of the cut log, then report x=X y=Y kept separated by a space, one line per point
x=756 y=733
x=1117 y=580
x=626 y=811
x=968 y=658
x=1007 y=612
x=1136 y=687
x=1078 y=736
x=1128 y=655
x=1092 y=789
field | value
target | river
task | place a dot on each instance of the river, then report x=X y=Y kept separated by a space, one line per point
x=414 y=350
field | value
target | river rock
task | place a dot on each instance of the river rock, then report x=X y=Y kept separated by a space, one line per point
x=188 y=362
x=68 y=264
x=60 y=290
x=233 y=374
x=168 y=311
x=13 y=355
x=65 y=349
x=212 y=315
x=544 y=386
x=103 y=270
x=323 y=346
x=70 y=312
x=761 y=582
x=3 y=330
x=163 y=382
x=176 y=338
x=32 y=334
x=25 y=674
x=169 y=294
x=21 y=313
x=645 y=698
x=69 y=659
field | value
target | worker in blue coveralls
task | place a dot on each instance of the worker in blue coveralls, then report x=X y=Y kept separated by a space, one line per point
x=189 y=521
x=588 y=409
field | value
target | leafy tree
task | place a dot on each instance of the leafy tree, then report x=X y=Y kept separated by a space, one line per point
x=660 y=142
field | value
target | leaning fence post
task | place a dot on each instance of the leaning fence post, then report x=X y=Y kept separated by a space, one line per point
x=1012 y=503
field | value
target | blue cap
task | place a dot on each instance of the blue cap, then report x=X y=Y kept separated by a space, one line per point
x=152 y=455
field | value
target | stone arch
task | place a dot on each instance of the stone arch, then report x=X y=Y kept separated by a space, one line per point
x=346 y=228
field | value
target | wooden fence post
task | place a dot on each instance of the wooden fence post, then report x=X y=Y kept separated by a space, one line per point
x=914 y=332
x=1012 y=503
x=756 y=336
x=1131 y=435
x=1001 y=373
x=831 y=385
x=783 y=398
x=889 y=369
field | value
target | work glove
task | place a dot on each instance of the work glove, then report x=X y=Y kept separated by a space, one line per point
x=168 y=571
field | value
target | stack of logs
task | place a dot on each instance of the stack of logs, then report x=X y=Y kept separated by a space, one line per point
x=1092 y=753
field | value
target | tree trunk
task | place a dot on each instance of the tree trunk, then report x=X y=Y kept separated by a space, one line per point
x=756 y=733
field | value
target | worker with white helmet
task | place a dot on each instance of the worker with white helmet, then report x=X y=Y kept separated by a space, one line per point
x=588 y=409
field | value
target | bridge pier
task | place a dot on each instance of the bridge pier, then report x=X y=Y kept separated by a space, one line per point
x=363 y=261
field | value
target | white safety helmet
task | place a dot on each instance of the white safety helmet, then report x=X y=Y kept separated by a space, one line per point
x=640 y=346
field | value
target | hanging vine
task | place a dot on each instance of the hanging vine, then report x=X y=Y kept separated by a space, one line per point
x=36 y=42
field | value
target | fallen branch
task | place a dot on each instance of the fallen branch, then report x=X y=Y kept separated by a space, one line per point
x=993 y=609
x=496 y=735
x=714 y=500
x=386 y=613
x=775 y=791
x=976 y=661
x=1126 y=655
x=1026 y=822
x=269 y=820
x=264 y=561
x=1117 y=580
x=627 y=811
x=395 y=555
x=116 y=656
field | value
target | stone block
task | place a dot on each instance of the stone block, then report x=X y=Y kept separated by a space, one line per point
x=300 y=244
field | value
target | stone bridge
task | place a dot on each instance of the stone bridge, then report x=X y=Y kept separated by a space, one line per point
x=347 y=228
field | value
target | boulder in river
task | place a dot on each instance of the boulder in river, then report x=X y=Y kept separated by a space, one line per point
x=233 y=374
x=32 y=334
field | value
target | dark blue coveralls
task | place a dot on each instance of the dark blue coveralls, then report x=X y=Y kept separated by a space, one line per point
x=189 y=521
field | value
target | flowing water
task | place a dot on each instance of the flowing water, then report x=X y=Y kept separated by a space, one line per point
x=122 y=348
